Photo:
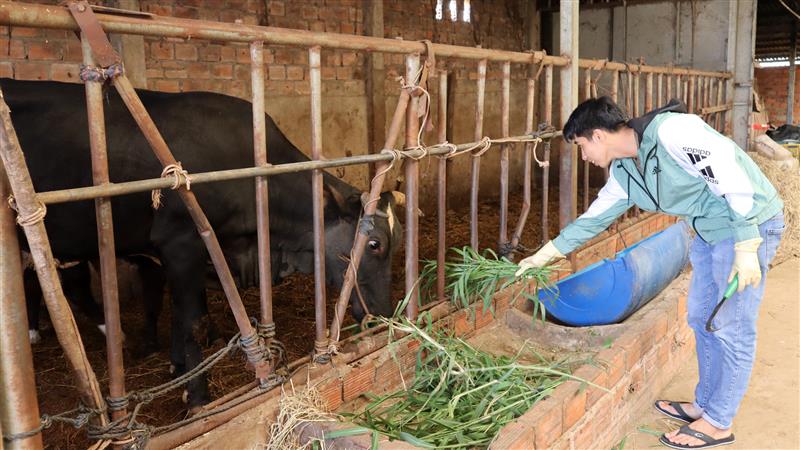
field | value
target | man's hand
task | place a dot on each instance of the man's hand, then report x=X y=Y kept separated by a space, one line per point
x=745 y=263
x=547 y=254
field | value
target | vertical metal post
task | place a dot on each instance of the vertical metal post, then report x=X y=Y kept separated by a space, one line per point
x=441 y=193
x=691 y=91
x=792 y=59
x=504 y=155
x=528 y=155
x=568 y=179
x=19 y=408
x=476 y=160
x=321 y=338
x=648 y=93
x=587 y=94
x=678 y=86
x=57 y=306
x=412 y=194
x=548 y=119
x=105 y=235
x=376 y=185
x=262 y=193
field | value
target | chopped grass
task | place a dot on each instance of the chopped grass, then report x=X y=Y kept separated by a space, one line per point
x=460 y=396
x=471 y=276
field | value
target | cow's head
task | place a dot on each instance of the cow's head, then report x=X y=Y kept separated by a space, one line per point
x=374 y=283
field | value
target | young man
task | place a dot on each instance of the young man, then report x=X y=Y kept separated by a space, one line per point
x=674 y=163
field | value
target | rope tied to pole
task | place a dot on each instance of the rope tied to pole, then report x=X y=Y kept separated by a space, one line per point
x=181 y=178
x=100 y=74
x=31 y=219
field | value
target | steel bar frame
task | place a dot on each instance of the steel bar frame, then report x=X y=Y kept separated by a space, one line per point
x=57 y=306
x=548 y=119
x=17 y=14
x=475 y=171
x=411 y=170
x=19 y=407
x=504 y=155
x=105 y=234
x=262 y=192
x=441 y=191
x=320 y=335
x=528 y=157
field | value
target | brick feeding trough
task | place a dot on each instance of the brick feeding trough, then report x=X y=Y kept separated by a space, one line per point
x=645 y=351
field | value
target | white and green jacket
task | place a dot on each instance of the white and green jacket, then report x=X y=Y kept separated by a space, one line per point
x=685 y=168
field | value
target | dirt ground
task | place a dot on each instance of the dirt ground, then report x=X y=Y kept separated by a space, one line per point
x=769 y=415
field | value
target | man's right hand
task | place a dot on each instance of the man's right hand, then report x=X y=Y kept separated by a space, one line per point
x=547 y=254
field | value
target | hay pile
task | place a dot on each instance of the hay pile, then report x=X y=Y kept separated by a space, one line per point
x=787 y=182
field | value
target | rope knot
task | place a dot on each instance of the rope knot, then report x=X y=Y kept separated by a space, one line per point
x=31 y=219
x=181 y=177
x=100 y=74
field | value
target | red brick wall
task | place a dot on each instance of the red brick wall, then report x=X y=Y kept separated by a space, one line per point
x=773 y=85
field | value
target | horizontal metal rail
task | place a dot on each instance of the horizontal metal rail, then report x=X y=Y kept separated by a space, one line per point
x=130 y=187
x=32 y=15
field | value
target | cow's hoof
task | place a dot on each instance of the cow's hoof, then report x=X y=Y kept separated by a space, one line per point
x=34 y=336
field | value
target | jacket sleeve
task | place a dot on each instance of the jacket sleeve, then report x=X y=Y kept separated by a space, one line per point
x=704 y=153
x=610 y=203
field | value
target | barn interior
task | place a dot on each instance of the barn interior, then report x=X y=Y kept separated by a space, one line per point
x=456 y=104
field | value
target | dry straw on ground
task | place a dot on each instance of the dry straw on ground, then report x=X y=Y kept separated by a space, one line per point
x=787 y=182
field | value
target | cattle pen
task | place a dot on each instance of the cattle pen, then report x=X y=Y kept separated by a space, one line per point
x=111 y=415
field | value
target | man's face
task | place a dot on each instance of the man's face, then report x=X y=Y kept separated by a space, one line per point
x=594 y=149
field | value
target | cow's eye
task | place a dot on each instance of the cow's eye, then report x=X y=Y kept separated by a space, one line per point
x=374 y=245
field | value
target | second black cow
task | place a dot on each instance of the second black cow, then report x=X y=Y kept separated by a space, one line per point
x=205 y=132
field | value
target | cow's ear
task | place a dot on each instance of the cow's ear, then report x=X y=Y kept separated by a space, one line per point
x=346 y=205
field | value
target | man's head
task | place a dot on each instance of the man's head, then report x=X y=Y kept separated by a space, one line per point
x=594 y=126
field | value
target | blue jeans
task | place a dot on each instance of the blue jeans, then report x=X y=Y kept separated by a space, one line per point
x=725 y=358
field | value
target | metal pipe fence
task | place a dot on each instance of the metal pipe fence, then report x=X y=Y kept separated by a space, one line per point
x=536 y=141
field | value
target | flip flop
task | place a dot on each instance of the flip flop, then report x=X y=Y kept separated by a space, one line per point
x=681 y=415
x=709 y=441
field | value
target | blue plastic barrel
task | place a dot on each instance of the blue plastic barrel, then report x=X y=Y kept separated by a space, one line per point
x=612 y=289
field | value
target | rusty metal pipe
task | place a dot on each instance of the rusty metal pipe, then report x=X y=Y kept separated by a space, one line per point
x=375 y=191
x=441 y=191
x=476 y=160
x=49 y=16
x=504 y=155
x=57 y=306
x=321 y=338
x=162 y=152
x=262 y=192
x=19 y=408
x=411 y=171
x=548 y=119
x=526 y=180
x=105 y=235
x=587 y=94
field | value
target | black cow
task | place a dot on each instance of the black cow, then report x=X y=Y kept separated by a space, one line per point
x=205 y=132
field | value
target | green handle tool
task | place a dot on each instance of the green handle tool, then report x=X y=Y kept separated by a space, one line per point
x=732 y=287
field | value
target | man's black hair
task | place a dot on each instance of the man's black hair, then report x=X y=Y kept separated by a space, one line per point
x=593 y=114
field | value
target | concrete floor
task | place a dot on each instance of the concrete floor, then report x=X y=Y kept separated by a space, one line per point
x=769 y=417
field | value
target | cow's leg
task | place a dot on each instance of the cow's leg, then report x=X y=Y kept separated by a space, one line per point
x=33 y=300
x=151 y=278
x=184 y=257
